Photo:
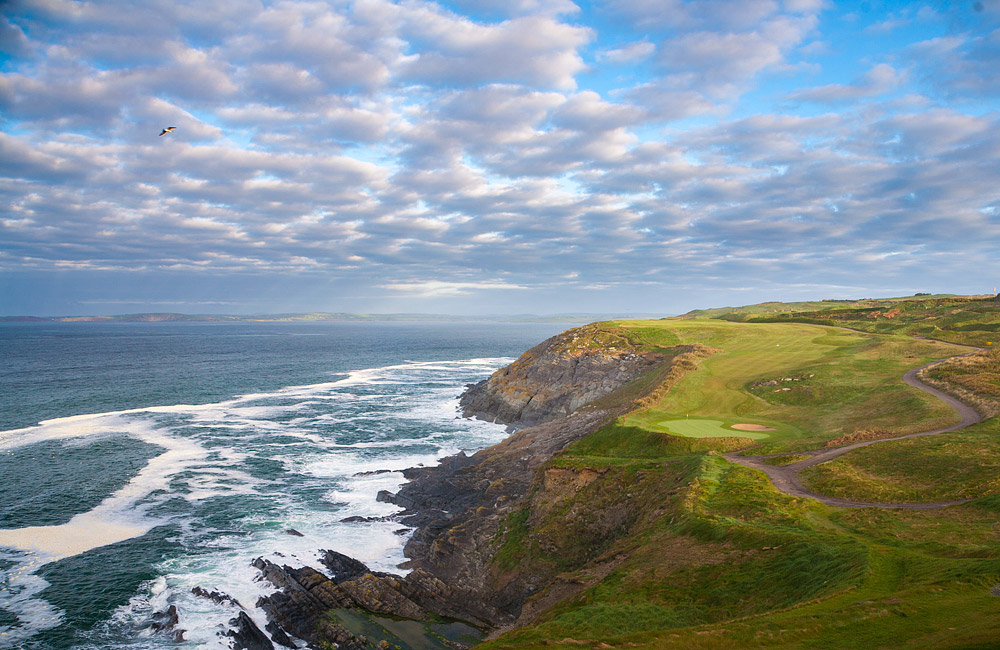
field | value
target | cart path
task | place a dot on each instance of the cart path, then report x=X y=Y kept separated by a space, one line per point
x=786 y=478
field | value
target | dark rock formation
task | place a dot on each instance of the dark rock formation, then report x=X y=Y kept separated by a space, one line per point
x=293 y=532
x=343 y=567
x=306 y=595
x=558 y=376
x=299 y=606
x=217 y=597
x=246 y=635
x=355 y=519
x=166 y=622
x=278 y=635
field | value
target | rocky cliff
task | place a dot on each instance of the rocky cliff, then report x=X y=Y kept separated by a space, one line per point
x=467 y=509
x=558 y=376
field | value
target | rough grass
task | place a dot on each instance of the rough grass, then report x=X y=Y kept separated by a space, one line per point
x=968 y=320
x=726 y=547
x=974 y=379
x=944 y=467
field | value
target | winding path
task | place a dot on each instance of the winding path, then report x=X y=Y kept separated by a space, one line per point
x=786 y=477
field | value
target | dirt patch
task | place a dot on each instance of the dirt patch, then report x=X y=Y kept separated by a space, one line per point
x=751 y=427
x=862 y=435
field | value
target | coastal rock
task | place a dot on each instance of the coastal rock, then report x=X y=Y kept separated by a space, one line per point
x=246 y=635
x=558 y=376
x=343 y=567
x=278 y=635
x=165 y=622
x=217 y=597
x=300 y=605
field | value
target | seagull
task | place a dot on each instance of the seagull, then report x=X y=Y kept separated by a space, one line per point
x=167 y=129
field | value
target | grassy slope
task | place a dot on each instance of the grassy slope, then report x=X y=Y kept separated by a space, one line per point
x=670 y=546
x=856 y=381
x=947 y=467
x=968 y=320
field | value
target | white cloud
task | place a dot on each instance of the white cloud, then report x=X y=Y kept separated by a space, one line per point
x=439 y=288
x=878 y=80
x=533 y=50
x=636 y=51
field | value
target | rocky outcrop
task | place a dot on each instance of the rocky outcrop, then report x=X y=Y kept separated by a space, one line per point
x=165 y=622
x=558 y=376
x=306 y=596
x=246 y=635
x=554 y=395
x=300 y=605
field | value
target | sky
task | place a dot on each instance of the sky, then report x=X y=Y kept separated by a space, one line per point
x=485 y=157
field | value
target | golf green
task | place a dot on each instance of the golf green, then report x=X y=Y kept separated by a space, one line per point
x=708 y=429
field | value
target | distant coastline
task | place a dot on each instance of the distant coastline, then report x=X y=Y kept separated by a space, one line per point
x=325 y=317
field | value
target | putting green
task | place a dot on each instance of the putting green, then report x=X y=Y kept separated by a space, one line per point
x=707 y=429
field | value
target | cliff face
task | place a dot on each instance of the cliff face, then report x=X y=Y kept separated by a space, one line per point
x=471 y=511
x=558 y=376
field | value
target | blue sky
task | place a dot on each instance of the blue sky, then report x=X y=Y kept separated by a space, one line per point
x=476 y=157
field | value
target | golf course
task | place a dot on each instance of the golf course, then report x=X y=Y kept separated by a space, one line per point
x=786 y=489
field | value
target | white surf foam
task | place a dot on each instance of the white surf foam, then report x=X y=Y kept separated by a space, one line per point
x=208 y=449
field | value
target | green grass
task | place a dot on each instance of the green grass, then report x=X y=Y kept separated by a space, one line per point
x=945 y=467
x=853 y=381
x=969 y=320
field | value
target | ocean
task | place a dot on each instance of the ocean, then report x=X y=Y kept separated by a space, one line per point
x=141 y=460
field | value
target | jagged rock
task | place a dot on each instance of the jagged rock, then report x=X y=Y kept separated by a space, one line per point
x=299 y=607
x=556 y=377
x=359 y=519
x=382 y=594
x=216 y=596
x=165 y=621
x=278 y=635
x=246 y=635
x=343 y=567
x=293 y=532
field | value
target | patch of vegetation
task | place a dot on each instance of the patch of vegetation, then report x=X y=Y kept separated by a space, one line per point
x=966 y=320
x=512 y=540
x=944 y=467
x=787 y=460
x=974 y=379
x=729 y=546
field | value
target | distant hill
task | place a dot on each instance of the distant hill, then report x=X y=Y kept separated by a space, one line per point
x=969 y=320
x=321 y=317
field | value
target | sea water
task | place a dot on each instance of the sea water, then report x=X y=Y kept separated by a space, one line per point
x=141 y=460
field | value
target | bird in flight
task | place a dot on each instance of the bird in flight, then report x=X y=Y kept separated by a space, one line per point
x=167 y=129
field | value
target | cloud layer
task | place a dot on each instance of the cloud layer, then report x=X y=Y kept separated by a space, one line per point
x=623 y=154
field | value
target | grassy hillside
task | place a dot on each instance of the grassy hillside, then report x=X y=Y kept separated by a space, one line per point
x=967 y=320
x=649 y=539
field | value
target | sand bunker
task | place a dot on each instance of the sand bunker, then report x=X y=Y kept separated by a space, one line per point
x=751 y=427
